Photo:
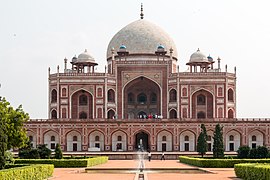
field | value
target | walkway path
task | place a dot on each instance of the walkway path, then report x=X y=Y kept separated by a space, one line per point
x=78 y=173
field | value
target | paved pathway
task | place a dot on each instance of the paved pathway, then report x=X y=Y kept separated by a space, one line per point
x=78 y=173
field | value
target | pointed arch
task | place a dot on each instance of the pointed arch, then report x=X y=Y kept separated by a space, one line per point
x=187 y=144
x=164 y=140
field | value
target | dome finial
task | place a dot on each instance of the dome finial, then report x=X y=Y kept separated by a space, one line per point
x=142 y=11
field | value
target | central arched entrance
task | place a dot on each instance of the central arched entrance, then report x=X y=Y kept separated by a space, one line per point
x=141 y=141
x=142 y=96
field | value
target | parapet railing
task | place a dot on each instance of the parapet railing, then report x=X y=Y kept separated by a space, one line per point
x=155 y=120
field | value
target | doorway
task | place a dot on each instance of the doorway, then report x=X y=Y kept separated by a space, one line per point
x=142 y=142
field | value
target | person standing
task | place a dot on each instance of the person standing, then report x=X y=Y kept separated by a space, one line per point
x=163 y=156
x=149 y=156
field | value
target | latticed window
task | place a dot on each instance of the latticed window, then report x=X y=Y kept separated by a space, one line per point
x=83 y=100
x=163 y=138
x=186 y=138
x=253 y=138
x=230 y=95
x=231 y=138
x=173 y=96
x=96 y=138
x=142 y=98
x=54 y=96
x=201 y=99
x=52 y=138
x=119 y=138
x=83 y=115
x=75 y=138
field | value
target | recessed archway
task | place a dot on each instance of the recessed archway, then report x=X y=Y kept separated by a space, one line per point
x=202 y=104
x=142 y=95
x=141 y=141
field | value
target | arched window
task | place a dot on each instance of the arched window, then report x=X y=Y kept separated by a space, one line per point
x=230 y=95
x=110 y=114
x=99 y=92
x=184 y=92
x=83 y=115
x=173 y=96
x=186 y=138
x=220 y=92
x=111 y=96
x=64 y=92
x=142 y=99
x=231 y=138
x=54 y=114
x=54 y=96
x=254 y=138
x=75 y=138
x=201 y=99
x=31 y=138
x=201 y=115
x=230 y=114
x=96 y=138
x=173 y=114
x=209 y=138
x=131 y=98
x=153 y=98
x=52 y=138
x=163 y=138
x=83 y=100
x=119 y=138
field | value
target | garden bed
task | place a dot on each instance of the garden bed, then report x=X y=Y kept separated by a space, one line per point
x=218 y=163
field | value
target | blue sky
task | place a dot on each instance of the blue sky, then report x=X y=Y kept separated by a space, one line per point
x=35 y=35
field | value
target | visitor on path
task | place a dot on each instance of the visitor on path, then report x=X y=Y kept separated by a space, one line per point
x=149 y=156
x=163 y=156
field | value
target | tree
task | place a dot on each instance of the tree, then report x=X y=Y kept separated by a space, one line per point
x=202 y=141
x=58 y=152
x=243 y=152
x=3 y=145
x=13 y=120
x=218 y=146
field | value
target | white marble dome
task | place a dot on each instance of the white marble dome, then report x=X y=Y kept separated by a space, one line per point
x=198 y=56
x=141 y=37
x=85 y=57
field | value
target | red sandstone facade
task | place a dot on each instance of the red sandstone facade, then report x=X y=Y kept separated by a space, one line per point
x=143 y=100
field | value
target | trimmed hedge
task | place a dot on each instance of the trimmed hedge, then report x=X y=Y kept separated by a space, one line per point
x=32 y=172
x=218 y=163
x=252 y=171
x=65 y=163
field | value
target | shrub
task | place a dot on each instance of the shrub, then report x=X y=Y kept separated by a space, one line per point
x=262 y=152
x=202 y=141
x=253 y=153
x=243 y=151
x=33 y=172
x=65 y=163
x=252 y=171
x=218 y=147
x=43 y=151
x=58 y=152
x=218 y=163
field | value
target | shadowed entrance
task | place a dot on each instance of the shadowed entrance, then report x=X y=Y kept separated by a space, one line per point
x=142 y=138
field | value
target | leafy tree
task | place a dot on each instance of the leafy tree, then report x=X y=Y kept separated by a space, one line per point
x=9 y=157
x=44 y=152
x=262 y=152
x=202 y=141
x=3 y=144
x=13 y=120
x=243 y=152
x=58 y=152
x=218 y=146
